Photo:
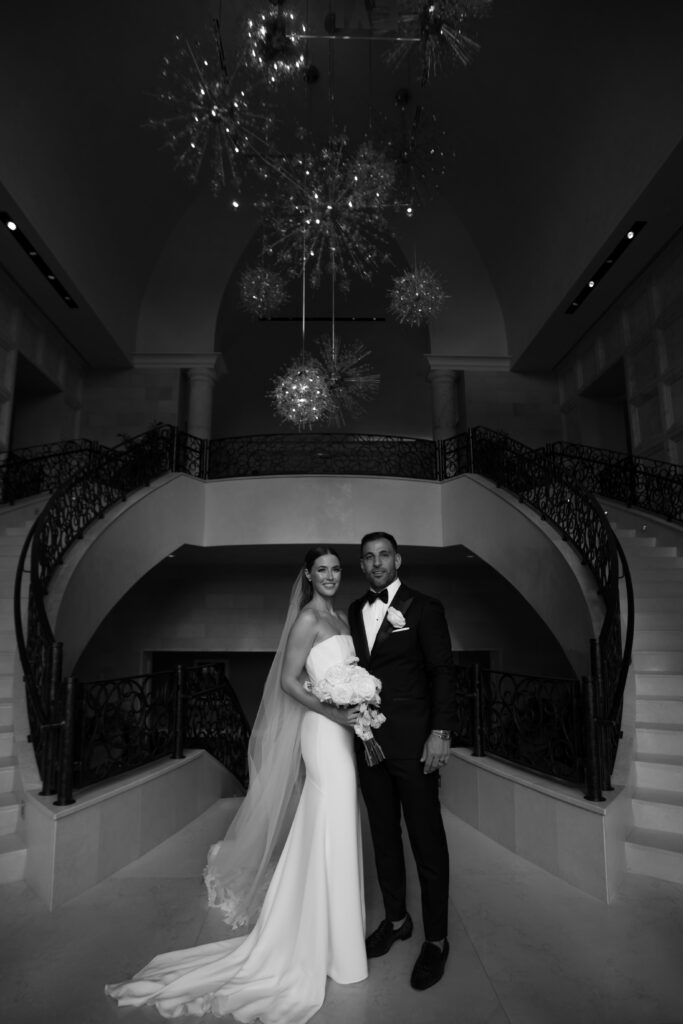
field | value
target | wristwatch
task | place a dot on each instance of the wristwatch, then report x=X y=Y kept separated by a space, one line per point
x=443 y=734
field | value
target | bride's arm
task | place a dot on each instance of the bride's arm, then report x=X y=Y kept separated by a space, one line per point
x=299 y=643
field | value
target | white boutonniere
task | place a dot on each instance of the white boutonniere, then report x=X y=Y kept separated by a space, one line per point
x=396 y=618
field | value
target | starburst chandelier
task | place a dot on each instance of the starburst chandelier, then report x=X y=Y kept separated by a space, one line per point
x=212 y=119
x=350 y=378
x=416 y=296
x=439 y=27
x=274 y=43
x=262 y=291
x=300 y=394
x=335 y=202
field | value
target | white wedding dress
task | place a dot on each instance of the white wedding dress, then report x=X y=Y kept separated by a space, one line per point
x=312 y=923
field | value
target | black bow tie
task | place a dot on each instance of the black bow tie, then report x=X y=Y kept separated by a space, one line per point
x=373 y=595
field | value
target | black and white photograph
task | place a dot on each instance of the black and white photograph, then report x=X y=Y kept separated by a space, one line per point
x=341 y=512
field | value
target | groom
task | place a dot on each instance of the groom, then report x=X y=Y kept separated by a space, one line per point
x=401 y=637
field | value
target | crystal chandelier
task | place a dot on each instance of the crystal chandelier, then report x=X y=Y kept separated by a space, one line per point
x=301 y=394
x=439 y=27
x=416 y=296
x=213 y=119
x=262 y=291
x=274 y=43
x=336 y=202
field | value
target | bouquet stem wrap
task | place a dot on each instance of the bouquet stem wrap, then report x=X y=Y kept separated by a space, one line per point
x=348 y=685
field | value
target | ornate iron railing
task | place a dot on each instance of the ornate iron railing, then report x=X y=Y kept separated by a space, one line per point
x=103 y=479
x=124 y=723
x=647 y=484
x=543 y=482
x=41 y=468
x=355 y=454
x=542 y=478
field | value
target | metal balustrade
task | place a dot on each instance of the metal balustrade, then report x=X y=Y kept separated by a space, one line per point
x=567 y=729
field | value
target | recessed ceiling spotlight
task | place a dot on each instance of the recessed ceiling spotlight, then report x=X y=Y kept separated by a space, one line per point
x=38 y=262
x=606 y=265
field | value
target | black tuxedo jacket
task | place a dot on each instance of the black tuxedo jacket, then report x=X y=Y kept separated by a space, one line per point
x=415 y=666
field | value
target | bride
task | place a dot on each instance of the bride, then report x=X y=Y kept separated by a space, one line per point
x=290 y=865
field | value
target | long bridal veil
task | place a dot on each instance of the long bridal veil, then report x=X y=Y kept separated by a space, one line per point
x=239 y=868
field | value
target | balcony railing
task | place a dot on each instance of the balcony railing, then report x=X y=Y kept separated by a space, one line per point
x=507 y=715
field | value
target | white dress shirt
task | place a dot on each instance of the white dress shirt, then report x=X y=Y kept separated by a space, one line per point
x=373 y=614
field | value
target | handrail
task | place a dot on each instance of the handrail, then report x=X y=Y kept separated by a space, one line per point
x=649 y=484
x=537 y=476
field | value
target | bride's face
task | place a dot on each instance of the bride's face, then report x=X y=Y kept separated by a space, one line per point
x=325 y=575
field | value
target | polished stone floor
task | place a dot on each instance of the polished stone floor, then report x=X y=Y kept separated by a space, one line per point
x=526 y=948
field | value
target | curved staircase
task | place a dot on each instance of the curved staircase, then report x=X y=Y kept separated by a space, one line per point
x=14 y=525
x=654 y=845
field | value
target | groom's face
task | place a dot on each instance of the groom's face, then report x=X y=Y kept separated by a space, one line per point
x=380 y=563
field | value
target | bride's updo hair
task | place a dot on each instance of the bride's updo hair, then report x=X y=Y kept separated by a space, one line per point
x=311 y=555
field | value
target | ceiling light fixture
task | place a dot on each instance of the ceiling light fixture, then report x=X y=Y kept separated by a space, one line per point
x=37 y=260
x=607 y=264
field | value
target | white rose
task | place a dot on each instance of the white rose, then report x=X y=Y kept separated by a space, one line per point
x=395 y=617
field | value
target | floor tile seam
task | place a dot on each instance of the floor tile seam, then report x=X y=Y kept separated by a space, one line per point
x=480 y=960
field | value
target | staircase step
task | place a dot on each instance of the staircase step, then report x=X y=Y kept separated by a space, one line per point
x=6 y=711
x=8 y=774
x=655 y=603
x=655 y=640
x=657 y=570
x=669 y=574
x=658 y=809
x=654 y=588
x=7 y=661
x=660 y=711
x=8 y=639
x=652 y=620
x=10 y=813
x=658 y=661
x=12 y=858
x=655 y=853
x=6 y=685
x=6 y=740
x=664 y=553
x=659 y=772
x=659 y=684
x=9 y=544
x=654 y=738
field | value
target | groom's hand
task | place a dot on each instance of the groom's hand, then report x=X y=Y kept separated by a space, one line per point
x=435 y=753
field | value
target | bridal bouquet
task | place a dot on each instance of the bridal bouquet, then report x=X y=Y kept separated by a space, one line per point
x=345 y=685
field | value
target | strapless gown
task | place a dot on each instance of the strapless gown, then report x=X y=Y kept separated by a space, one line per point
x=312 y=923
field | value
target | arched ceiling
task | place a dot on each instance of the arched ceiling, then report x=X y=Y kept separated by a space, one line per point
x=566 y=128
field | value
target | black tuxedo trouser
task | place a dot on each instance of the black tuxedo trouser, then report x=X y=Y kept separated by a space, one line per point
x=388 y=787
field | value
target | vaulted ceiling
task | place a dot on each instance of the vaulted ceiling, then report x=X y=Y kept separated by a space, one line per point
x=566 y=129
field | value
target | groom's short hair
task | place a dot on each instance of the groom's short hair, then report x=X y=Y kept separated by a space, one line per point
x=379 y=535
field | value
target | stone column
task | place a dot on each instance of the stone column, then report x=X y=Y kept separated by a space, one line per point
x=200 y=400
x=445 y=412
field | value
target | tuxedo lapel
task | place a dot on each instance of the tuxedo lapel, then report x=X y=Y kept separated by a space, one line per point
x=358 y=632
x=402 y=602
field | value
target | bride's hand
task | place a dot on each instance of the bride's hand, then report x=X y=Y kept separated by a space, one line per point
x=344 y=716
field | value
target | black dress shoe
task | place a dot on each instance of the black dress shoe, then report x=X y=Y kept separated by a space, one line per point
x=383 y=937
x=429 y=966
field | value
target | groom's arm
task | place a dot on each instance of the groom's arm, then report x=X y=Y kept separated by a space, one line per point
x=435 y=644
